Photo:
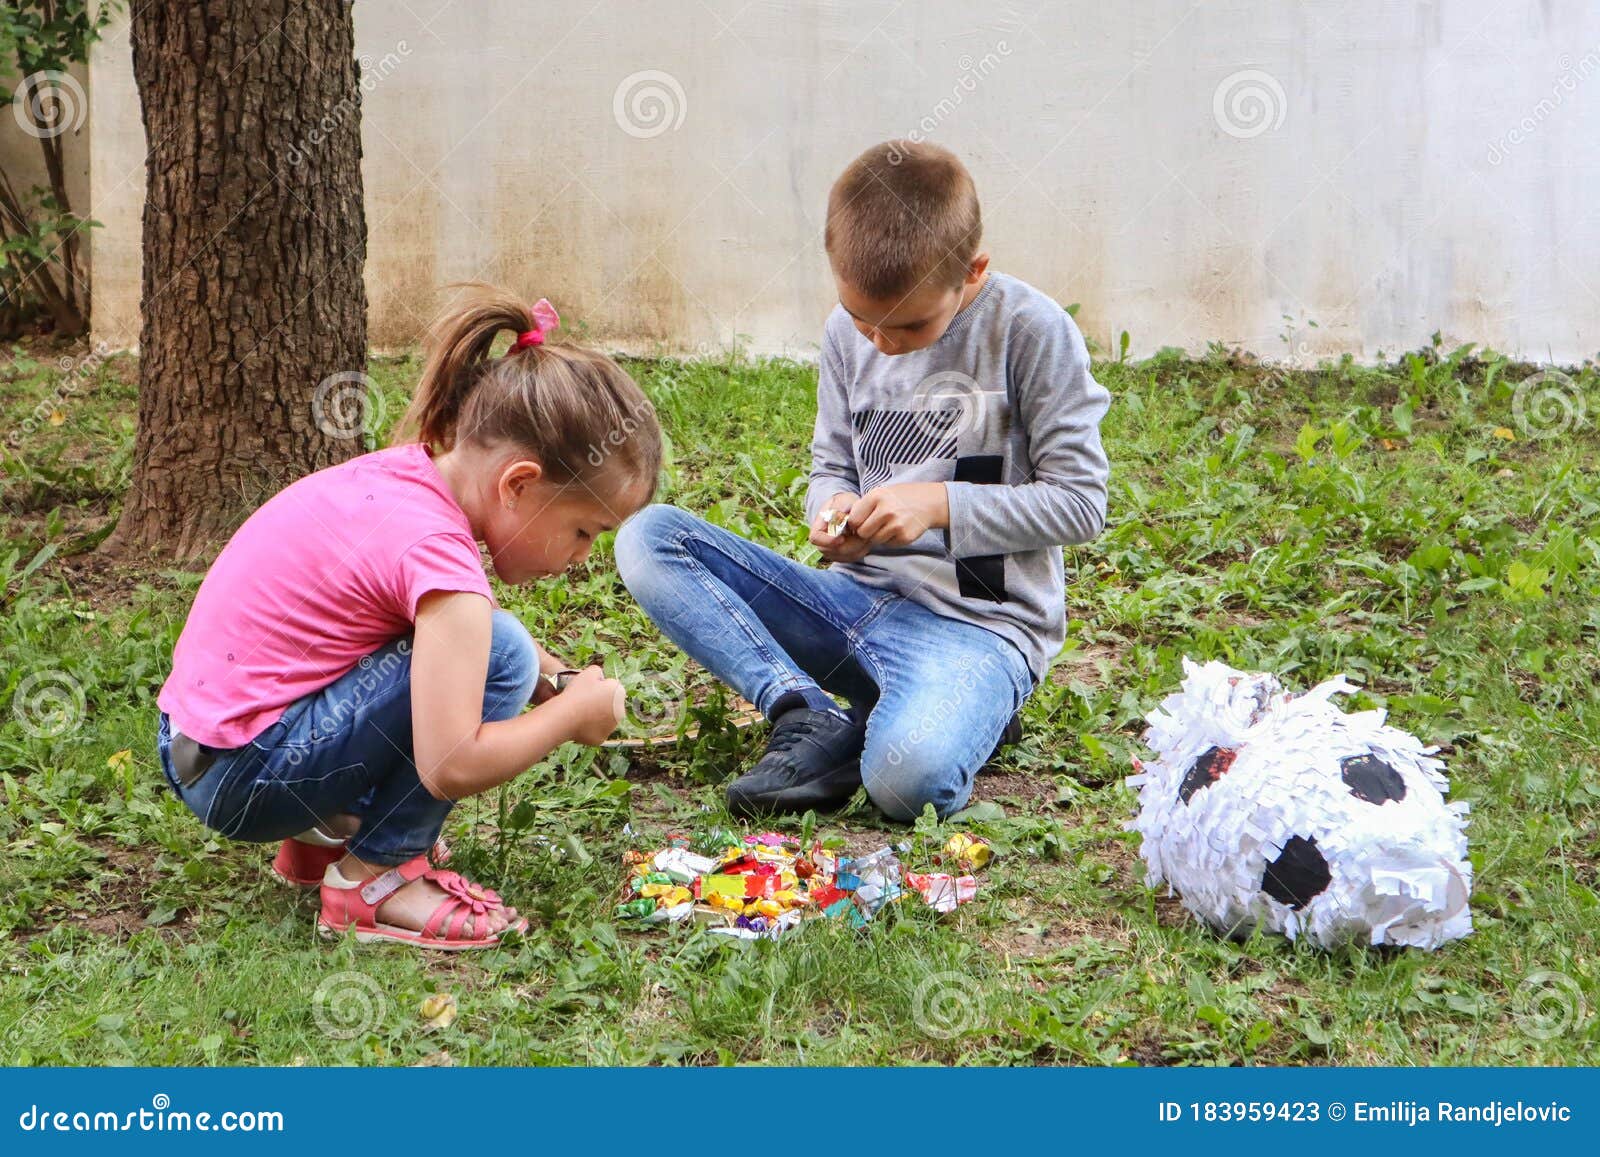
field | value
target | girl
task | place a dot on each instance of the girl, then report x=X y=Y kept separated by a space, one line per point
x=345 y=676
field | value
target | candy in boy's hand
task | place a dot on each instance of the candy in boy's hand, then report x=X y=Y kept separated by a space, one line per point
x=838 y=521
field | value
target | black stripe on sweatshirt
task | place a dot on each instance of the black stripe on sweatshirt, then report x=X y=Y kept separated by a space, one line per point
x=982 y=576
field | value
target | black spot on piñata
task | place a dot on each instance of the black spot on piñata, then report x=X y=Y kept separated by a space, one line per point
x=1209 y=766
x=1298 y=875
x=1370 y=778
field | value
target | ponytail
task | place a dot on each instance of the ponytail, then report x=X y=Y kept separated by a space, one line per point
x=456 y=351
x=572 y=409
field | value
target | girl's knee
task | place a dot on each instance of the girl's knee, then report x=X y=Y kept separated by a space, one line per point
x=513 y=666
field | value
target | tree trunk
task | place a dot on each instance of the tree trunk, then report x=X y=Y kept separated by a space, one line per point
x=254 y=240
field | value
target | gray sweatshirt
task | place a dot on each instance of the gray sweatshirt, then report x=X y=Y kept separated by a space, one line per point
x=1003 y=410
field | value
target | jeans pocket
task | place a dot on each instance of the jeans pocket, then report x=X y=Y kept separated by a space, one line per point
x=210 y=797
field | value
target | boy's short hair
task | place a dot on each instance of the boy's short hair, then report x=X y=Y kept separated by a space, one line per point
x=903 y=213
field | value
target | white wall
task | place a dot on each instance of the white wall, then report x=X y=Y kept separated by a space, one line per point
x=1391 y=200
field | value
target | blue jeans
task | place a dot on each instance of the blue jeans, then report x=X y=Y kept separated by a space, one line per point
x=346 y=750
x=937 y=693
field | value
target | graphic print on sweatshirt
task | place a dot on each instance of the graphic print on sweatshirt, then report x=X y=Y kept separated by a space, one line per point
x=891 y=443
x=889 y=438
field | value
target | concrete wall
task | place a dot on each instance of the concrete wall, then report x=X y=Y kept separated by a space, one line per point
x=1230 y=171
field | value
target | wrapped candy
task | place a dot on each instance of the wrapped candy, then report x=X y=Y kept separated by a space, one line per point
x=965 y=850
x=682 y=865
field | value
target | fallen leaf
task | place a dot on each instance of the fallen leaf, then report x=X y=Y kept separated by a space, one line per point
x=56 y=418
x=438 y=1011
x=120 y=758
x=1504 y=433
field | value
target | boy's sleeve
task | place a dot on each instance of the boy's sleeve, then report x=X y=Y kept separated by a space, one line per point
x=1063 y=503
x=833 y=457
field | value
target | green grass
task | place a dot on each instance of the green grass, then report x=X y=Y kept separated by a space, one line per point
x=1365 y=520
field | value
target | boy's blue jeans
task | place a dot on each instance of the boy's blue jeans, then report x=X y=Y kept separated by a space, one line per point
x=346 y=750
x=938 y=692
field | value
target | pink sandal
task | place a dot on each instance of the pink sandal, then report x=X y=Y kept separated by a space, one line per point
x=356 y=908
x=303 y=864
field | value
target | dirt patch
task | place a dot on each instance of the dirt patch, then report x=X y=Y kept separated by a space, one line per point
x=105 y=581
x=1088 y=665
x=117 y=906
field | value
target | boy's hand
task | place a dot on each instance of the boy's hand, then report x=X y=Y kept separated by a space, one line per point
x=899 y=515
x=594 y=704
x=845 y=546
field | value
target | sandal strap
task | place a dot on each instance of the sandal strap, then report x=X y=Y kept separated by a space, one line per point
x=463 y=901
x=458 y=885
x=449 y=920
x=378 y=889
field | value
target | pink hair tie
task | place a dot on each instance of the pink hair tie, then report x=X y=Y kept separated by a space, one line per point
x=545 y=319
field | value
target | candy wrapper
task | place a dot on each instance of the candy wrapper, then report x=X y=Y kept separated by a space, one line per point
x=1264 y=808
x=941 y=890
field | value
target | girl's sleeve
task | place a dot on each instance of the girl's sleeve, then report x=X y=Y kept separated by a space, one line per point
x=1062 y=501
x=439 y=562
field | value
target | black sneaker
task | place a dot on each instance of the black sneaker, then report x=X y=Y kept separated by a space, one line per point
x=1011 y=735
x=813 y=760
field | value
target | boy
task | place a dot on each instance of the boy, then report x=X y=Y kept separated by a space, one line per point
x=956 y=449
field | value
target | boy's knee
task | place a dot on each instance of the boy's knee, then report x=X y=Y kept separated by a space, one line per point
x=906 y=773
x=641 y=534
x=513 y=666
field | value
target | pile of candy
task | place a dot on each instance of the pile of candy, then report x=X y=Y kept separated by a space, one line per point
x=762 y=885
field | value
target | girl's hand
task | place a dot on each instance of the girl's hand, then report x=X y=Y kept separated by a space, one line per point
x=594 y=704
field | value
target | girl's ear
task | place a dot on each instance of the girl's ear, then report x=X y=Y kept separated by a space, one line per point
x=517 y=477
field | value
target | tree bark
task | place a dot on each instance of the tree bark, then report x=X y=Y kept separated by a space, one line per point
x=254 y=241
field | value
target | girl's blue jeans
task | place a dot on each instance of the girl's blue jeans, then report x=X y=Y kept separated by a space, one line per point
x=937 y=693
x=346 y=750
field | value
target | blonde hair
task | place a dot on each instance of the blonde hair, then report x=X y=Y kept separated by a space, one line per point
x=902 y=213
x=573 y=410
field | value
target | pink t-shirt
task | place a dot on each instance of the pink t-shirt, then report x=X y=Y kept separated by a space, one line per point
x=328 y=570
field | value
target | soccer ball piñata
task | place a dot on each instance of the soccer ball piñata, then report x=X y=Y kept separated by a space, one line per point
x=1266 y=808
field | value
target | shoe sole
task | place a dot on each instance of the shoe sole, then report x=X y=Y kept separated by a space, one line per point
x=328 y=932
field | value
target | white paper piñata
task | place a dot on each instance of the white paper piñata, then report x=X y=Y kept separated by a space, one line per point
x=1268 y=808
